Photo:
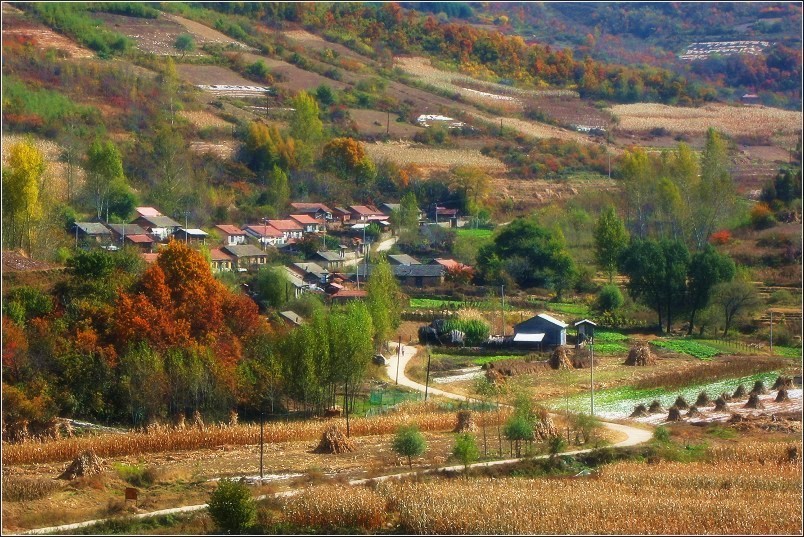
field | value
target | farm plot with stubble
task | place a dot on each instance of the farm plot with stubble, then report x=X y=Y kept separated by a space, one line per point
x=155 y=36
x=403 y=154
x=733 y=120
x=754 y=491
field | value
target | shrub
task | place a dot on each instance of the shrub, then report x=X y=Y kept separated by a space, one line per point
x=661 y=434
x=475 y=330
x=609 y=298
x=762 y=216
x=137 y=474
x=517 y=429
x=465 y=449
x=231 y=507
x=720 y=237
x=409 y=443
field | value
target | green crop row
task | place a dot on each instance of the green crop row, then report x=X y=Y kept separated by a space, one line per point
x=692 y=348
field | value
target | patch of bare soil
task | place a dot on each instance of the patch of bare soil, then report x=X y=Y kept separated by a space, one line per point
x=527 y=193
x=203 y=119
x=294 y=78
x=204 y=34
x=373 y=122
x=224 y=149
x=156 y=36
x=211 y=75
x=403 y=153
x=15 y=23
x=321 y=45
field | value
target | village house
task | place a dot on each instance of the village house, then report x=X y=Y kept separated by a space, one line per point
x=220 y=261
x=289 y=228
x=266 y=235
x=416 y=275
x=308 y=223
x=346 y=295
x=311 y=273
x=294 y=283
x=402 y=259
x=147 y=211
x=192 y=236
x=159 y=227
x=92 y=233
x=540 y=331
x=121 y=230
x=332 y=260
x=319 y=211
x=231 y=235
x=143 y=242
x=246 y=257
x=341 y=215
x=365 y=213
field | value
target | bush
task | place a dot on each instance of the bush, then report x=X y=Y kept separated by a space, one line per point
x=409 y=443
x=609 y=298
x=231 y=507
x=137 y=474
x=465 y=449
x=720 y=237
x=762 y=216
x=475 y=330
x=661 y=434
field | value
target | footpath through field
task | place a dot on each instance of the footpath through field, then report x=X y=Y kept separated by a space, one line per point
x=633 y=436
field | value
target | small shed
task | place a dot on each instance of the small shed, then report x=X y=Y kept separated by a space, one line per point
x=551 y=330
x=586 y=330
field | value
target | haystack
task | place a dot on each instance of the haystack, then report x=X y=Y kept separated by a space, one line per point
x=655 y=407
x=640 y=411
x=465 y=423
x=674 y=414
x=180 y=421
x=703 y=399
x=754 y=402
x=334 y=441
x=233 y=417
x=86 y=464
x=494 y=376
x=725 y=396
x=545 y=428
x=782 y=382
x=681 y=403
x=560 y=358
x=721 y=405
x=781 y=397
x=740 y=391
x=693 y=412
x=640 y=355
x=582 y=359
x=759 y=388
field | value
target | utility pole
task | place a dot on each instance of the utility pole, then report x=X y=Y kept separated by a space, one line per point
x=186 y=214
x=388 y=123
x=427 y=382
x=262 y=443
x=502 y=294
x=398 y=358
x=771 y=331
x=592 y=371
x=608 y=154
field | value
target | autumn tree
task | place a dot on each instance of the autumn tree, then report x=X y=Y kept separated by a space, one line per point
x=473 y=183
x=638 y=189
x=306 y=125
x=265 y=147
x=22 y=203
x=611 y=238
x=104 y=170
x=343 y=156
x=385 y=302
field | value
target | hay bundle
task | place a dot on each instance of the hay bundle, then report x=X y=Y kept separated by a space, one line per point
x=545 y=427
x=582 y=359
x=759 y=388
x=721 y=404
x=198 y=422
x=693 y=412
x=86 y=464
x=180 y=421
x=781 y=397
x=782 y=382
x=465 y=423
x=334 y=441
x=703 y=399
x=640 y=411
x=655 y=407
x=725 y=396
x=736 y=418
x=233 y=418
x=560 y=358
x=681 y=403
x=754 y=402
x=674 y=414
x=640 y=355
x=494 y=376
x=739 y=392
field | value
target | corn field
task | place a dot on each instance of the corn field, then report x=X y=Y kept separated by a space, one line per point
x=723 y=497
x=160 y=439
x=404 y=154
x=333 y=507
x=733 y=120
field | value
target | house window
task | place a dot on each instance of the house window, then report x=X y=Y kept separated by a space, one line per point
x=419 y=281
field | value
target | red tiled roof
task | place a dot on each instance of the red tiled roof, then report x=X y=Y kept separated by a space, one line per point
x=301 y=205
x=350 y=293
x=139 y=239
x=216 y=254
x=285 y=225
x=149 y=258
x=265 y=231
x=304 y=219
x=230 y=229
x=364 y=210
x=147 y=211
x=450 y=264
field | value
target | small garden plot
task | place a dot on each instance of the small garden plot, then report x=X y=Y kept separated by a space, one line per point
x=788 y=352
x=155 y=36
x=685 y=346
x=479 y=234
x=608 y=336
x=610 y=348
x=377 y=122
x=430 y=303
x=204 y=34
x=482 y=360
x=569 y=309
x=458 y=375
x=294 y=78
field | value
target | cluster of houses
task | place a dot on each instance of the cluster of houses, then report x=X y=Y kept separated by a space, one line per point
x=337 y=272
